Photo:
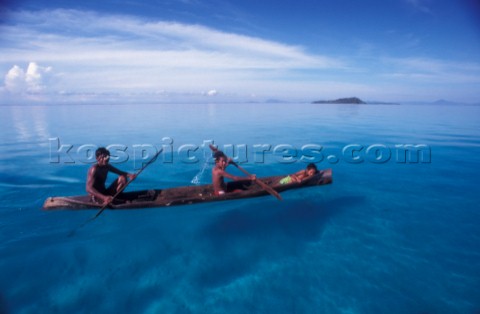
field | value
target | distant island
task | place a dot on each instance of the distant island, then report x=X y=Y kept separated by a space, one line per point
x=350 y=100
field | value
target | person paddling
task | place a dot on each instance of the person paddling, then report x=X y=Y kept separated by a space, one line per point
x=219 y=173
x=97 y=176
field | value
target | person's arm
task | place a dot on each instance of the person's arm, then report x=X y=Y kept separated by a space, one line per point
x=236 y=178
x=299 y=176
x=91 y=188
x=120 y=172
x=296 y=176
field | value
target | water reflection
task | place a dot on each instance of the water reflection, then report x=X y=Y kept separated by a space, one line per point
x=28 y=124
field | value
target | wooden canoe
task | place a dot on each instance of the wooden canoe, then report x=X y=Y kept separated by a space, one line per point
x=186 y=194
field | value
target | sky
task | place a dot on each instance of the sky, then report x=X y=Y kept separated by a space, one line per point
x=64 y=51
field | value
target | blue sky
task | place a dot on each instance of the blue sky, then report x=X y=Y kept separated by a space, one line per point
x=195 y=50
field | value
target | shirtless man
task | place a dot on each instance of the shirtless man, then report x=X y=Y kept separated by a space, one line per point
x=97 y=176
x=219 y=173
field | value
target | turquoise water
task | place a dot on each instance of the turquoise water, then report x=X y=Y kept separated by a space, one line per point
x=392 y=234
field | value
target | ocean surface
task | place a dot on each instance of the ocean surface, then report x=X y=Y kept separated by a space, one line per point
x=396 y=232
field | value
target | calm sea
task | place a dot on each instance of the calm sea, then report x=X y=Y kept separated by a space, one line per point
x=396 y=232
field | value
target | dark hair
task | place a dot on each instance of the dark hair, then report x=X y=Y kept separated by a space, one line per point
x=218 y=154
x=312 y=166
x=101 y=151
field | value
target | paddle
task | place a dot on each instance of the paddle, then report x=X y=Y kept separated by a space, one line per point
x=265 y=186
x=117 y=194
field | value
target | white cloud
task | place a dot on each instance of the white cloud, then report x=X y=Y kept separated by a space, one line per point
x=212 y=92
x=18 y=81
x=36 y=76
x=15 y=80
x=115 y=39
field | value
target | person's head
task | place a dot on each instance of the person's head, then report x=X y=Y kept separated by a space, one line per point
x=103 y=155
x=311 y=169
x=220 y=160
x=218 y=154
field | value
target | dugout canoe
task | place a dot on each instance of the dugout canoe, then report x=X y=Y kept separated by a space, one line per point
x=186 y=194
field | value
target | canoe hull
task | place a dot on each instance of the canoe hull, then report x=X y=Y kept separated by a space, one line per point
x=185 y=195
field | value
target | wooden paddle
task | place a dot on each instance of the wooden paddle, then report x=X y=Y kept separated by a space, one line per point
x=265 y=186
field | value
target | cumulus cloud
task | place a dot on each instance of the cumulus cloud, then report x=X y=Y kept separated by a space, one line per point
x=36 y=76
x=212 y=92
x=15 y=80
x=18 y=81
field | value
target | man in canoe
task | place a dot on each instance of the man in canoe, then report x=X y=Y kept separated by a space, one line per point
x=97 y=176
x=301 y=175
x=219 y=173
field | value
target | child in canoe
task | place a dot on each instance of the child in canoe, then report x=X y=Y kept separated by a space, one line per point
x=301 y=175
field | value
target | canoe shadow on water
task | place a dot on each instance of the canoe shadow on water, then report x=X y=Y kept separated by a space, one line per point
x=240 y=239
